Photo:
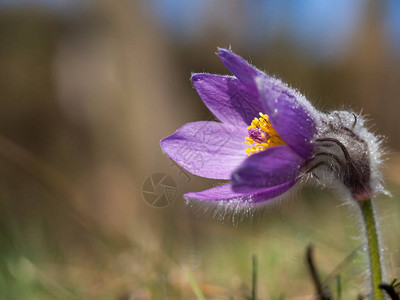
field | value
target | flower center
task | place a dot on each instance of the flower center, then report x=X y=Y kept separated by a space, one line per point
x=262 y=135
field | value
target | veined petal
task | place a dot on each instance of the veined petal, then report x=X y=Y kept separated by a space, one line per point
x=290 y=113
x=239 y=67
x=226 y=195
x=206 y=148
x=227 y=98
x=271 y=167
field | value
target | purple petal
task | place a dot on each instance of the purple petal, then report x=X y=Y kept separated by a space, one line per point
x=271 y=167
x=227 y=98
x=290 y=113
x=226 y=194
x=239 y=67
x=207 y=149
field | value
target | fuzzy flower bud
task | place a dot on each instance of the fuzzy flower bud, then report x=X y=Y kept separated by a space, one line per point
x=349 y=152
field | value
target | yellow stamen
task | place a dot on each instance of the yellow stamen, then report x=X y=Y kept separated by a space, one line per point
x=271 y=136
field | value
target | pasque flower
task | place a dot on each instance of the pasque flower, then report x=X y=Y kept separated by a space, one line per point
x=268 y=138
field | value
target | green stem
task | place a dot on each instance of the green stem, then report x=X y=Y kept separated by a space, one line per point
x=254 y=279
x=367 y=211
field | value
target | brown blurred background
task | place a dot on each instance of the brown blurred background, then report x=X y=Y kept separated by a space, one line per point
x=88 y=89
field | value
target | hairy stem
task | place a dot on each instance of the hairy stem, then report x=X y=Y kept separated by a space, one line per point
x=367 y=212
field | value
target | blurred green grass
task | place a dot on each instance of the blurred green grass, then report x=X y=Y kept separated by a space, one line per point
x=35 y=265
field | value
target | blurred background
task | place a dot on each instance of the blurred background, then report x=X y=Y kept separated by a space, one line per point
x=88 y=89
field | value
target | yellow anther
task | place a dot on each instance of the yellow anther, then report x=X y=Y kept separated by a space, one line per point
x=268 y=137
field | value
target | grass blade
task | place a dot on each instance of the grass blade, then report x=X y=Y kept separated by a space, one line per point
x=193 y=283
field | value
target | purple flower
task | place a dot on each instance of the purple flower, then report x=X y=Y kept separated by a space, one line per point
x=268 y=138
